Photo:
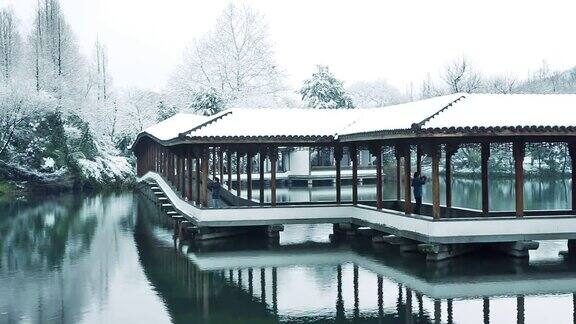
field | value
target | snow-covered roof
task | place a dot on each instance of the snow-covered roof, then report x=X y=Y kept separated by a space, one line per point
x=278 y=122
x=450 y=113
x=400 y=116
x=173 y=126
x=507 y=110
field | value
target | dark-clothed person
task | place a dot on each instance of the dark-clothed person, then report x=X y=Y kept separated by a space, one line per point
x=215 y=188
x=417 y=182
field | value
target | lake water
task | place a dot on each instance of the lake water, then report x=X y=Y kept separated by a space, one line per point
x=110 y=258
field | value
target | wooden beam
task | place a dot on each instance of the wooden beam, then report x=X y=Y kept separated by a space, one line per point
x=485 y=157
x=273 y=155
x=338 y=161
x=353 y=152
x=572 y=151
x=407 y=178
x=518 y=149
x=261 y=180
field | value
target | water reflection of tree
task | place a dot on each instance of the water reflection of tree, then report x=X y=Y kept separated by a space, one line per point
x=42 y=235
x=54 y=252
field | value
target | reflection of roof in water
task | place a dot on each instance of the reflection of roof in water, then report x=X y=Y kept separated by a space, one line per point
x=458 y=278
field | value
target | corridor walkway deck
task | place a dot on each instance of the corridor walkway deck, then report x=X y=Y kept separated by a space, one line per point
x=415 y=227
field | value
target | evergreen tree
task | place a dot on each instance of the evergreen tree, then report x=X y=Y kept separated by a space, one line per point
x=324 y=91
x=165 y=111
x=207 y=102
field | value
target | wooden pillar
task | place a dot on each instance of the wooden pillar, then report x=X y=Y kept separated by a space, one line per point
x=205 y=171
x=572 y=151
x=238 y=174
x=229 y=168
x=450 y=150
x=213 y=162
x=261 y=182
x=419 y=153
x=407 y=178
x=183 y=175
x=398 y=156
x=485 y=157
x=518 y=151
x=273 y=155
x=198 y=180
x=177 y=172
x=249 y=158
x=353 y=151
x=338 y=161
x=189 y=167
x=435 y=155
x=376 y=150
x=221 y=164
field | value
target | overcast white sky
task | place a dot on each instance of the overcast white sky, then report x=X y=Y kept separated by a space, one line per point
x=399 y=41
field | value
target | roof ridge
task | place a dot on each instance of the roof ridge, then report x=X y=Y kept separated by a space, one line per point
x=209 y=121
x=425 y=120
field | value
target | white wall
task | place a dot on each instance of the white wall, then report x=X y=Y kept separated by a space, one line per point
x=300 y=161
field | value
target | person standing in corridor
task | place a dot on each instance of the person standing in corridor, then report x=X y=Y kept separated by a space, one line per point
x=417 y=182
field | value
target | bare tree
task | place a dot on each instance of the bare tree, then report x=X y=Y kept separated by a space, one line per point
x=461 y=77
x=503 y=84
x=235 y=59
x=428 y=88
x=9 y=42
x=377 y=93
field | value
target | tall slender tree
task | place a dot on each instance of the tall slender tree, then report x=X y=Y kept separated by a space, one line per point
x=10 y=43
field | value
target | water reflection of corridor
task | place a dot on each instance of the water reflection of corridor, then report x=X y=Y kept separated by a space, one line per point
x=353 y=282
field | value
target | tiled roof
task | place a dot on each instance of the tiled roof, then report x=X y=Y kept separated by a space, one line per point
x=451 y=113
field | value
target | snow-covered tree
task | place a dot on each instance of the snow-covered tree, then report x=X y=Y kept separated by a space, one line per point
x=461 y=77
x=502 y=84
x=324 y=91
x=10 y=43
x=164 y=111
x=16 y=106
x=138 y=109
x=58 y=66
x=207 y=102
x=379 y=93
x=235 y=59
